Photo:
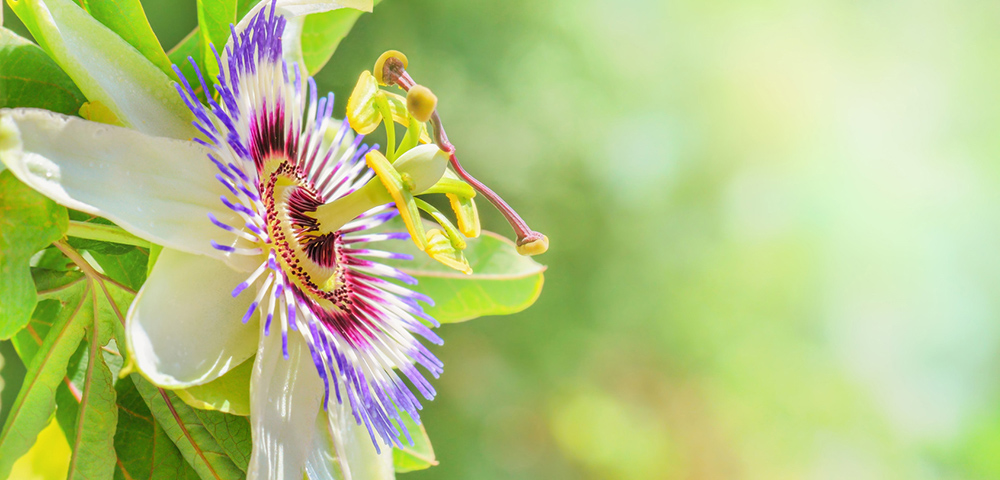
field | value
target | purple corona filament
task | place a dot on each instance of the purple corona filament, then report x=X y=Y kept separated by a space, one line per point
x=264 y=132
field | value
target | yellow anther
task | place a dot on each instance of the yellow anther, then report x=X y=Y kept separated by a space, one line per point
x=421 y=102
x=361 y=113
x=391 y=59
x=466 y=213
x=535 y=246
x=404 y=201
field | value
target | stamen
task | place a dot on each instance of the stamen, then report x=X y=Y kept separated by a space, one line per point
x=391 y=70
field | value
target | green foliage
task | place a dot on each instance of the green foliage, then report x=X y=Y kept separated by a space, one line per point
x=214 y=19
x=128 y=20
x=46 y=369
x=144 y=448
x=189 y=47
x=322 y=33
x=28 y=222
x=232 y=432
x=97 y=414
x=31 y=79
x=188 y=432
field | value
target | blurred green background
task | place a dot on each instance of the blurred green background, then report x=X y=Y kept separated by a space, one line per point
x=774 y=233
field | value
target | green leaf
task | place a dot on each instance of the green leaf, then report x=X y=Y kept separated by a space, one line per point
x=145 y=451
x=503 y=282
x=229 y=393
x=232 y=432
x=322 y=33
x=31 y=79
x=243 y=7
x=186 y=430
x=214 y=19
x=128 y=268
x=46 y=369
x=128 y=20
x=85 y=393
x=28 y=223
x=420 y=455
x=93 y=442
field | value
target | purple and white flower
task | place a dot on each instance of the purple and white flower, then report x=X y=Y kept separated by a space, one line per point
x=272 y=218
x=333 y=338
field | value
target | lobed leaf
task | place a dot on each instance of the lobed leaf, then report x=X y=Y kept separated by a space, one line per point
x=145 y=451
x=233 y=433
x=187 y=431
x=30 y=78
x=86 y=395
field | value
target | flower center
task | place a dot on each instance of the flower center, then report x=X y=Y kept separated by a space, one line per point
x=312 y=261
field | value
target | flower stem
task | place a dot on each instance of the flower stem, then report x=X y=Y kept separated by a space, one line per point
x=104 y=233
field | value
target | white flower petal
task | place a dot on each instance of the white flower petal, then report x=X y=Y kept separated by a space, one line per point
x=285 y=396
x=107 y=69
x=184 y=326
x=342 y=449
x=157 y=188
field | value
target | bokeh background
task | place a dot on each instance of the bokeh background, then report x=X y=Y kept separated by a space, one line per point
x=774 y=231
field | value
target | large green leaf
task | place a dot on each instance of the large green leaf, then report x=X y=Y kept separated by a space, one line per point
x=184 y=427
x=418 y=456
x=232 y=432
x=28 y=222
x=214 y=19
x=322 y=33
x=30 y=78
x=46 y=369
x=145 y=451
x=128 y=20
x=502 y=282
x=85 y=395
